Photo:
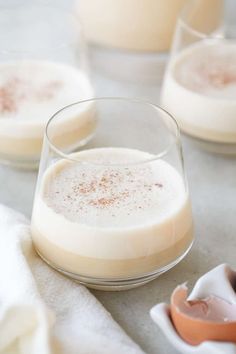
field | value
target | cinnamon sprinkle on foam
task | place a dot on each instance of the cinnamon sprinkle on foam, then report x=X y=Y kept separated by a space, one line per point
x=113 y=195
x=15 y=90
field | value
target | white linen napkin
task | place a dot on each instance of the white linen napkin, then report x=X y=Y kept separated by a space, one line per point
x=42 y=312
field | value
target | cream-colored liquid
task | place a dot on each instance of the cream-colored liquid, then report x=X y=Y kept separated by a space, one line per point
x=130 y=24
x=200 y=90
x=111 y=221
x=30 y=93
x=143 y=25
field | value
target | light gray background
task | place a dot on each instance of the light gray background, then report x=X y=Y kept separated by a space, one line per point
x=212 y=181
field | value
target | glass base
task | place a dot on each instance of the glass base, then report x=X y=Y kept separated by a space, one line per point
x=132 y=66
x=115 y=284
x=21 y=164
x=213 y=147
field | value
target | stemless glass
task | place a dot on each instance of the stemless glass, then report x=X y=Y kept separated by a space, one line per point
x=43 y=67
x=200 y=81
x=115 y=213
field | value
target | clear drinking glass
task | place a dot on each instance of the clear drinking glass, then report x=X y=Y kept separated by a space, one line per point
x=200 y=82
x=43 y=67
x=115 y=213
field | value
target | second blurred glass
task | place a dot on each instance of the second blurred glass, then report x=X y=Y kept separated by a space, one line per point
x=200 y=82
x=42 y=68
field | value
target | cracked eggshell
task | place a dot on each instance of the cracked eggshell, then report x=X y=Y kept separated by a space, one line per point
x=221 y=282
x=200 y=320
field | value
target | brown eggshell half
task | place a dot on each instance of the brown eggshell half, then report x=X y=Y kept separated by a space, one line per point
x=196 y=330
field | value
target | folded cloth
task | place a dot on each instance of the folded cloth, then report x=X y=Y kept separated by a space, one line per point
x=42 y=312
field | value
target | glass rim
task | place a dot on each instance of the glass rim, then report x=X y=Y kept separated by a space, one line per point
x=60 y=9
x=197 y=33
x=67 y=156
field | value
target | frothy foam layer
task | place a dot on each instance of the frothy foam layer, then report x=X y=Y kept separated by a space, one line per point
x=114 y=196
x=200 y=88
x=30 y=93
x=209 y=69
x=34 y=90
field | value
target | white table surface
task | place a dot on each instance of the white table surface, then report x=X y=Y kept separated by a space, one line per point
x=212 y=181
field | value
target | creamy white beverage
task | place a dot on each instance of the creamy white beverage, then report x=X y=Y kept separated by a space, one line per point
x=104 y=214
x=200 y=90
x=130 y=24
x=31 y=92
